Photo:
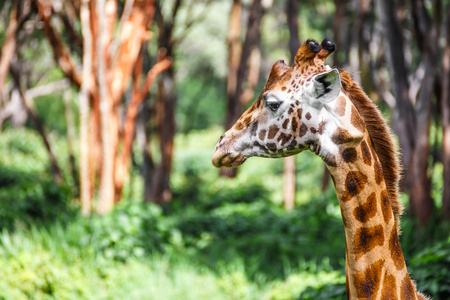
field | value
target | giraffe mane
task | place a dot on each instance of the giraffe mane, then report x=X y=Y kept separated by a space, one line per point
x=381 y=138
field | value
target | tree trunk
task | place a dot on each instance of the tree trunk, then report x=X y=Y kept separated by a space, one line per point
x=403 y=120
x=338 y=29
x=160 y=191
x=8 y=47
x=251 y=40
x=70 y=132
x=238 y=58
x=138 y=95
x=289 y=162
x=427 y=37
x=420 y=188
x=84 y=95
x=148 y=167
x=445 y=110
x=289 y=182
x=292 y=22
x=234 y=56
x=56 y=171
x=106 y=191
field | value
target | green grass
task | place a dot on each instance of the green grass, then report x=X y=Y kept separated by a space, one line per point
x=67 y=263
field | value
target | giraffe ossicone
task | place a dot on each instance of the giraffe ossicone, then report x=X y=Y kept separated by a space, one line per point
x=311 y=106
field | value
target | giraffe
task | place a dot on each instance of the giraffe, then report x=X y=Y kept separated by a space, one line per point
x=311 y=106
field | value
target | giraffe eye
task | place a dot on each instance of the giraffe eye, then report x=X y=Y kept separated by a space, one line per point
x=273 y=105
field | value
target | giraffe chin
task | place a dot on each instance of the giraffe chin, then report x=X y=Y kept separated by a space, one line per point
x=228 y=160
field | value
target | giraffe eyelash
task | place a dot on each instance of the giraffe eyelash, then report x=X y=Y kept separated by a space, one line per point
x=273 y=105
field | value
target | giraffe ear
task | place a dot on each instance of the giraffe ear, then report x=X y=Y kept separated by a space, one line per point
x=326 y=86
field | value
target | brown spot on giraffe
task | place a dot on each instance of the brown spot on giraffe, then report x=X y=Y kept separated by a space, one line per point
x=339 y=109
x=262 y=134
x=283 y=88
x=292 y=145
x=294 y=124
x=386 y=206
x=367 y=282
x=283 y=138
x=291 y=110
x=349 y=155
x=389 y=290
x=378 y=169
x=273 y=130
x=313 y=130
x=248 y=119
x=396 y=251
x=321 y=127
x=367 y=157
x=303 y=130
x=407 y=291
x=356 y=120
x=367 y=210
x=367 y=239
x=354 y=184
x=251 y=109
x=308 y=116
x=272 y=146
x=341 y=136
x=299 y=113
x=239 y=126
x=285 y=124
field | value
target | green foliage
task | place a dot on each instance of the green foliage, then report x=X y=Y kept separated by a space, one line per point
x=427 y=251
x=202 y=102
x=89 y=256
x=27 y=192
x=325 y=292
x=130 y=231
x=50 y=109
x=432 y=270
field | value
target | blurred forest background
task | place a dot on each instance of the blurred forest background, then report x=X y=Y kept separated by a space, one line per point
x=109 y=114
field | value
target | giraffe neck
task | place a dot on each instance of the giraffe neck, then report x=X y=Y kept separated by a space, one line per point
x=375 y=267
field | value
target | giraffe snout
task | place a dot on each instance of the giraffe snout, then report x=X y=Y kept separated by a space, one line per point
x=225 y=155
x=226 y=159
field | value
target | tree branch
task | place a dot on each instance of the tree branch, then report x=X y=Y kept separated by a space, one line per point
x=192 y=22
x=56 y=171
x=135 y=29
x=46 y=89
x=85 y=91
x=9 y=47
x=138 y=96
x=60 y=50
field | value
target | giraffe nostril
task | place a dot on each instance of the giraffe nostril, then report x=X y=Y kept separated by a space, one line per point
x=220 y=139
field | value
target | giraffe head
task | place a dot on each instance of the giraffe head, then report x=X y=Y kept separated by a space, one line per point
x=298 y=109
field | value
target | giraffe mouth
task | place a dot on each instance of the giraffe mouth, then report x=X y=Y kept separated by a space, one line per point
x=227 y=159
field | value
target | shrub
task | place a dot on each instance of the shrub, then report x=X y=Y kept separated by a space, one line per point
x=431 y=270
